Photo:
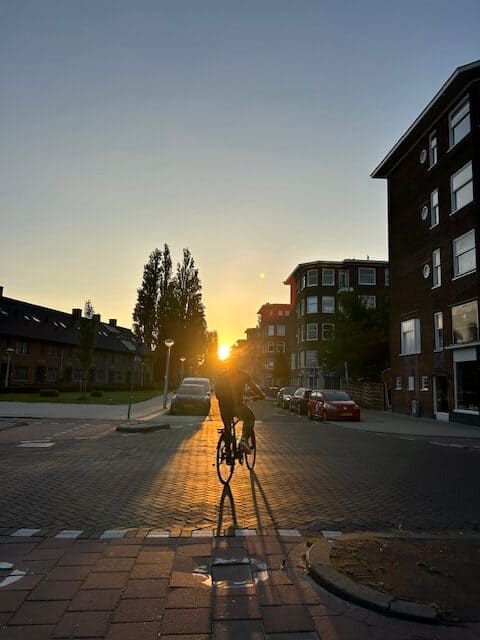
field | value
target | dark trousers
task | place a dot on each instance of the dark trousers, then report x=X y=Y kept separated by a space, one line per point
x=243 y=413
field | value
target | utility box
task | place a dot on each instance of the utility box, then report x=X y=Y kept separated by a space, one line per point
x=415 y=408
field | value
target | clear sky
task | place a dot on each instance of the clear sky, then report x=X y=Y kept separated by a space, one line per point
x=243 y=130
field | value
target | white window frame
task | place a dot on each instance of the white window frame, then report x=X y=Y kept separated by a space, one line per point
x=312 y=301
x=328 y=274
x=454 y=121
x=311 y=359
x=467 y=182
x=281 y=330
x=432 y=149
x=434 y=209
x=22 y=348
x=473 y=302
x=331 y=330
x=438 y=330
x=436 y=269
x=456 y=272
x=416 y=347
x=302 y=333
x=398 y=383
x=424 y=383
x=312 y=277
x=280 y=347
x=270 y=330
x=302 y=306
x=369 y=302
x=370 y=269
x=270 y=347
x=312 y=331
x=344 y=275
x=324 y=304
x=411 y=383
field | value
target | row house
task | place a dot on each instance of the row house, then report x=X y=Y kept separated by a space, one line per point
x=273 y=327
x=316 y=289
x=39 y=347
x=433 y=183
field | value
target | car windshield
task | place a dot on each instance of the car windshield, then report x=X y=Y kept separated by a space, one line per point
x=336 y=395
x=191 y=390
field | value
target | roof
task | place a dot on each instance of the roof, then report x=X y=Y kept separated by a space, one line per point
x=30 y=321
x=456 y=83
x=334 y=263
x=274 y=305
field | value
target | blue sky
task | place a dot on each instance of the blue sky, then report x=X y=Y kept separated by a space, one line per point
x=243 y=130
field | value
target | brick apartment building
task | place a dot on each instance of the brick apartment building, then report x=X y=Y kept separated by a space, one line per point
x=273 y=326
x=315 y=293
x=433 y=181
x=43 y=349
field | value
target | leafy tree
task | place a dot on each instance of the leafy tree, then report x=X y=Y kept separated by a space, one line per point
x=86 y=341
x=361 y=339
x=145 y=312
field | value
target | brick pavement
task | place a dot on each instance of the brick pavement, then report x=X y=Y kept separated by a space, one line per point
x=215 y=588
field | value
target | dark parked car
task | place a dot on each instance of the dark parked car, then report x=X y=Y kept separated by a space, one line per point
x=299 y=400
x=332 y=405
x=190 y=398
x=283 y=397
x=272 y=392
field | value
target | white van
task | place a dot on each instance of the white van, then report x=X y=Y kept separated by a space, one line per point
x=204 y=382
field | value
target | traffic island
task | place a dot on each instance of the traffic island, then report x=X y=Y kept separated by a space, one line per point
x=424 y=578
x=142 y=427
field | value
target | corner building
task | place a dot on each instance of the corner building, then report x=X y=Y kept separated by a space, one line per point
x=433 y=187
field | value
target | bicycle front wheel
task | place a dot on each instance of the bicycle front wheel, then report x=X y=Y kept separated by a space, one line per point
x=225 y=460
x=251 y=457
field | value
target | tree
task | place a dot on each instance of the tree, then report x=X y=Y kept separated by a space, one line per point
x=86 y=341
x=145 y=312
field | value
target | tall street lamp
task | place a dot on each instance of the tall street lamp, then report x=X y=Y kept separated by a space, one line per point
x=9 y=353
x=182 y=360
x=169 y=344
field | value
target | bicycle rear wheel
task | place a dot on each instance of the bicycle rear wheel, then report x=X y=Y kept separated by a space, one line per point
x=224 y=453
x=251 y=457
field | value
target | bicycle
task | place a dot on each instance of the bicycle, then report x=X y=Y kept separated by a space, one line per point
x=228 y=452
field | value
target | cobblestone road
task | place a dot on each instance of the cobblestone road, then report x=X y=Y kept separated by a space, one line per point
x=309 y=476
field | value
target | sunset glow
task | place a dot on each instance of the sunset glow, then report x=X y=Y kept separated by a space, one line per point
x=223 y=352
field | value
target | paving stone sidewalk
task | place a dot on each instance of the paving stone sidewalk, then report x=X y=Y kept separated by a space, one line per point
x=191 y=587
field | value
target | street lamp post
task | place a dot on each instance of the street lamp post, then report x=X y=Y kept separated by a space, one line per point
x=169 y=344
x=9 y=353
x=182 y=360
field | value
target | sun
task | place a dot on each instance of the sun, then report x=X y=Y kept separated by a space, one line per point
x=223 y=352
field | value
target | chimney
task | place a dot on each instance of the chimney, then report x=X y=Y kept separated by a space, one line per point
x=112 y=322
x=96 y=318
x=76 y=315
x=1 y=292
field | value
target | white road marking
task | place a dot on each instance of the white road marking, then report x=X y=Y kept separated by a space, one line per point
x=15 y=576
x=331 y=534
x=113 y=533
x=37 y=445
x=6 y=565
x=202 y=533
x=245 y=532
x=157 y=533
x=69 y=533
x=25 y=533
x=289 y=532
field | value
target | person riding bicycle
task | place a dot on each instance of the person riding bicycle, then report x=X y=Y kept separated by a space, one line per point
x=229 y=389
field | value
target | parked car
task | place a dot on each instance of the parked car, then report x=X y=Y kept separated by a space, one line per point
x=283 y=397
x=332 y=405
x=272 y=392
x=204 y=382
x=299 y=400
x=190 y=398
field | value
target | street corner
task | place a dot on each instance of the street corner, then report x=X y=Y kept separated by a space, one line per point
x=408 y=576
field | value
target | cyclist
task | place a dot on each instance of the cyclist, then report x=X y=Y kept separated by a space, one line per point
x=229 y=389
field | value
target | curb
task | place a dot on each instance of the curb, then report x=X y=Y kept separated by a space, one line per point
x=322 y=571
x=141 y=427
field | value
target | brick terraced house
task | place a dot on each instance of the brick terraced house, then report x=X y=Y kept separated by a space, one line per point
x=43 y=347
x=433 y=182
x=315 y=293
x=273 y=325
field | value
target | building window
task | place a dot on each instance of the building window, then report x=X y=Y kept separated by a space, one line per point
x=465 y=322
x=269 y=363
x=312 y=304
x=280 y=329
x=343 y=279
x=434 y=209
x=438 y=330
x=387 y=277
x=53 y=351
x=20 y=373
x=411 y=383
x=280 y=312
x=271 y=314
x=461 y=187
x=311 y=360
x=367 y=275
x=281 y=347
x=302 y=307
x=398 y=383
x=21 y=348
x=459 y=122
x=410 y=336
x=287 y=313
x=432 y=146
x=302 y=333
x=303 y=281
x=328 y=304
x=77 y=375
x=293 y=361
x=464 y=260
x=424 y=383
x=312 y=277
x=302 y=359
x=328 y=277
x=328 y=329
x=271 y=330
x=437 y=269
x=369 y=302
x=312 y=331
x=51 y=375
x=467 y=378
x=270 y=347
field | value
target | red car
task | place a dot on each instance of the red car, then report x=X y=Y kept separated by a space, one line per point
x=332 y=405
